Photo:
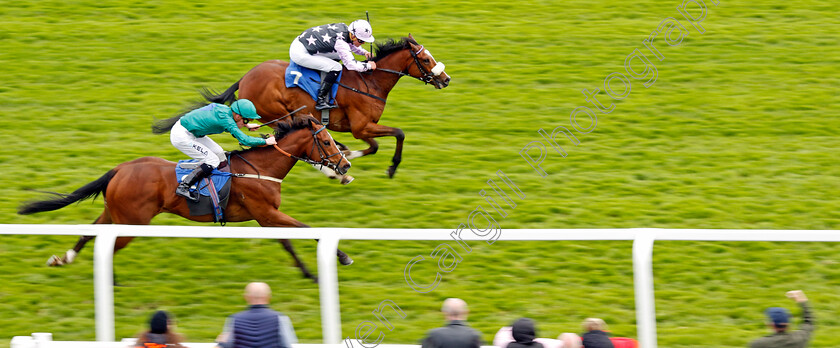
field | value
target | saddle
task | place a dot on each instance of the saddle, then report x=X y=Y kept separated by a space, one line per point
x=309 y=80
x=213 y=191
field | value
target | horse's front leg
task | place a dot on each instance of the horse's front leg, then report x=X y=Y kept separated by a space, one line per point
x=373 y=146
x=373 y=130
x=332 y=174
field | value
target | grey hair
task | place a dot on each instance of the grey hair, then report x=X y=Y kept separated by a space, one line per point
x=590 y=324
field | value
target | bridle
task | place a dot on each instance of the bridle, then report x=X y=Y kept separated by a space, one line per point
x=325 y=159
x=428 y=75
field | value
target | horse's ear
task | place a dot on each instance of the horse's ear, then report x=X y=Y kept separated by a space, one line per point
x=411 y=37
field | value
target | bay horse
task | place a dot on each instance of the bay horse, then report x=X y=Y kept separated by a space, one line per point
x=138 y=190
x=360 y=99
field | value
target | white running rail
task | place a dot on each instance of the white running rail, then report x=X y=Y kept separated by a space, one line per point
x=643 y=239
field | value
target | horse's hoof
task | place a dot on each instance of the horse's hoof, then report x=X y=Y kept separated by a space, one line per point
x=54 y=261
x=391 y=171
x=345 y=260
x=347 y=179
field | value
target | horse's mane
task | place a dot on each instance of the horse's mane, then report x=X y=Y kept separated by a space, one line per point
x=285 y=128
x=390 y=46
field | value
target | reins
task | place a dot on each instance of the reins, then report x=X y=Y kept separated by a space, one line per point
x=315 y=144
x=284 y=116
x=361 y=92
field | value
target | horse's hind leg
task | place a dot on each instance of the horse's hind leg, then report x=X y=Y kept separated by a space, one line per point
x=70 y=255
x=343 y=258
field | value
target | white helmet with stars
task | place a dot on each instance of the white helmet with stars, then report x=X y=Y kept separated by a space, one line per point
x=362 y=30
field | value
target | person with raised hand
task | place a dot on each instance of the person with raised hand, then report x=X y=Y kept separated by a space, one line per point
x=778 y=320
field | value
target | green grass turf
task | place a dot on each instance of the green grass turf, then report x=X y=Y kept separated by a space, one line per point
x=738 y=131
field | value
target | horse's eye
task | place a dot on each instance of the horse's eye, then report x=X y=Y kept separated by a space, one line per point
x=326 y=142
x=427 y=61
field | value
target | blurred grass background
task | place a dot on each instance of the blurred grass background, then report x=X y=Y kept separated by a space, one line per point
x=737 y=132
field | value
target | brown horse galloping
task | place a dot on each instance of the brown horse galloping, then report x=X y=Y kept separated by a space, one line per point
x=138 y=190
x=361 y=97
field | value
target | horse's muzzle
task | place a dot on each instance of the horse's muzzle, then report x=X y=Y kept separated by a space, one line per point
x=441 y=82
x=341 y=169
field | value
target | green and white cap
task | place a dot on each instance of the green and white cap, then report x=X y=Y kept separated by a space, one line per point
x=245 y=108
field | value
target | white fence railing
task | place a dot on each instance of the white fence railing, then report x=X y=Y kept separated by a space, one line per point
x=642 y=238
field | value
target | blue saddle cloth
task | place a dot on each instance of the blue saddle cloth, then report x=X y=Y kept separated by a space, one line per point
x=219 y=178
x=208 y=204
x=308 y=79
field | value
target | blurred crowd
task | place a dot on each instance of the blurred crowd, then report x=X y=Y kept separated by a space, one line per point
x=261 y=327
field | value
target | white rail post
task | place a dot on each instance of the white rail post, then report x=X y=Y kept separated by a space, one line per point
x=328 y=284
x=103 y=284
x=643 y=282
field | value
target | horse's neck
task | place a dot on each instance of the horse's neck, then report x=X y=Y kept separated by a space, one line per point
x=397 y=61
x=271 y=162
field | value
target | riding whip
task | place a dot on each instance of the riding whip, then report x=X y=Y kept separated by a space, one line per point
x=368 y=19
x=284 y=116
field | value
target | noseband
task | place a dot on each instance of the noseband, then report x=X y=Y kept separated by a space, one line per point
x=428 y=76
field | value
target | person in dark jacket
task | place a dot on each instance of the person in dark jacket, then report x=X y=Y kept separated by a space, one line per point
x=524 y=331
x=456 y=333
x=259 y=326
x=778 y=320
x=594 y=335
x=161 y=333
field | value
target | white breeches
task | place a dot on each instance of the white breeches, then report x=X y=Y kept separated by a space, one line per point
x=299 y=55
x=203 y=149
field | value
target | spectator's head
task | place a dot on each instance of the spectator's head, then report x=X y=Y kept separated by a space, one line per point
x=454 y=309
x=257 y=293
x=570 y=340
x=524 y=330
x=159 y=324
x=590 y=324
x=777 y=318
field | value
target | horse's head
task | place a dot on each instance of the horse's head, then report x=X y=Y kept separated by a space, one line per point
x=425 y=67
x=323 y=150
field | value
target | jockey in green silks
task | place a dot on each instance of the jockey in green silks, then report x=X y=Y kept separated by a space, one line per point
x=189 y=135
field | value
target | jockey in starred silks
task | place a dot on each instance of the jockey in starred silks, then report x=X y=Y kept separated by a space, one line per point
x=319 y=47
x=189 y=135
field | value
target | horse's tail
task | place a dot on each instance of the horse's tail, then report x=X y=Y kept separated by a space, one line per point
x=165 y=125
x=92 y=189
x=226 y=97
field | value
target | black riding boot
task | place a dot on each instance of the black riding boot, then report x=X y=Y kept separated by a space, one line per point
x=324 y=91
x=197 y=174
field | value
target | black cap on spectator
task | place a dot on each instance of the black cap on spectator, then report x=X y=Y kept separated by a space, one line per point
x=159 y=322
